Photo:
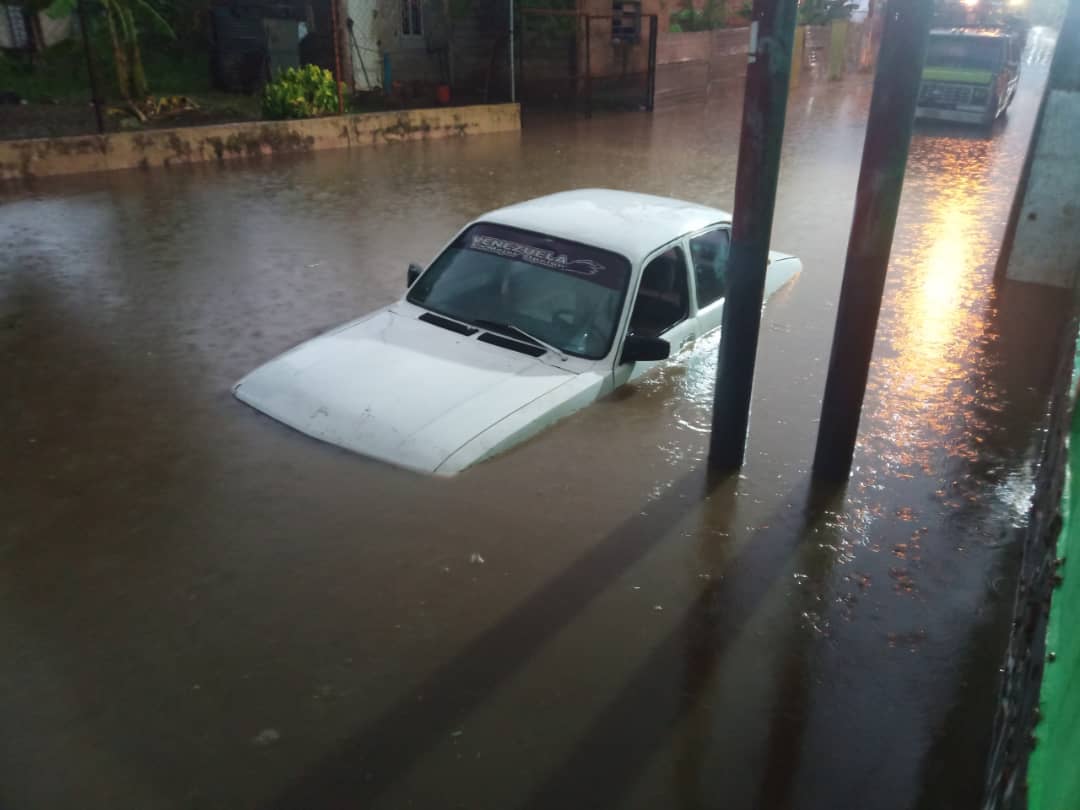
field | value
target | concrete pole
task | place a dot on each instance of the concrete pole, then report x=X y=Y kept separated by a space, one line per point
x=1042 y=238
x=764 y=107
x=877 y=200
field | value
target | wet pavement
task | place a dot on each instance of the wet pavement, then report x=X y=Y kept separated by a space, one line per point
x=200 y=608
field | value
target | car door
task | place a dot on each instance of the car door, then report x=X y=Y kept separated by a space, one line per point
x=709 y=254
x=662 y=307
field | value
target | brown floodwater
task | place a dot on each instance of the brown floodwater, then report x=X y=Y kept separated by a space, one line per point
x=200 y=608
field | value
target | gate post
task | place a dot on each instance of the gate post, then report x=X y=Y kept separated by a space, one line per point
x=588 y=66
x=650 y=90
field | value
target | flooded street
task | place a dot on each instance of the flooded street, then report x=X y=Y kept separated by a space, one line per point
x=200 y=608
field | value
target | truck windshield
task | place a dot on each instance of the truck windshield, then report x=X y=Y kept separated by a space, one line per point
x=567 y=294
x=973 y=53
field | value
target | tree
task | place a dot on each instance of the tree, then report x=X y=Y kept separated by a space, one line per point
x=122 y=20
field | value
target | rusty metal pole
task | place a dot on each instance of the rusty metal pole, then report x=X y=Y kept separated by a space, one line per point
x=772 y=31
x=521 y=52
x=877 y=200
x=95 y=91
x=650 y=93
x=336 y=36
x=513 y=85
x=588 y=66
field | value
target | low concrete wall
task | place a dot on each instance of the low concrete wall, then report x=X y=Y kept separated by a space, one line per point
x=689 y=63
x=43 y=157
x=683 y=46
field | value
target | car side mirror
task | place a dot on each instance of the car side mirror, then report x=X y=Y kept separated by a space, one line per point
x=414 y=273
x=640 y=348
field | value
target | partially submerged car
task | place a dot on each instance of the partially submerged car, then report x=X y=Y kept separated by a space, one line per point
x=970 y=74
x=530 y=313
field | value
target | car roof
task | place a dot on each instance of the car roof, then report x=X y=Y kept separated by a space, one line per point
x=624 y=222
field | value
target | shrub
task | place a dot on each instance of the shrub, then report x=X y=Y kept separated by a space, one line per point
x=304 y=92
x=714 y=15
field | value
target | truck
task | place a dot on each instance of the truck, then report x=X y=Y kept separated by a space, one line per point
x=970 y=74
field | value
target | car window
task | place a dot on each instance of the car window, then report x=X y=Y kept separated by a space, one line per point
x=567 y=294
x=709 y=253
x=663 y=298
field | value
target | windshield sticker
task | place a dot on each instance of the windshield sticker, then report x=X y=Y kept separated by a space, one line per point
x=534 y=255
x=593 y=265
x=587 y=263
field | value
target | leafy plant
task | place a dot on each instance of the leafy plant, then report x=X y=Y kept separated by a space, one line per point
x=823 y=12
x=713 y=15
x=123 y=19
x=545 y=31
x=303 y=92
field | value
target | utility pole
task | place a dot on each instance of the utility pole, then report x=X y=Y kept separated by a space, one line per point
x=772 y=31
x=877 y=200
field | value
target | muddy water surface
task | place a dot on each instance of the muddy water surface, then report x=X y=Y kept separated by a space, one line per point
x=201 y=608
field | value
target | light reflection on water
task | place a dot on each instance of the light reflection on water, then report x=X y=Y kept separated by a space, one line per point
x=930 y=367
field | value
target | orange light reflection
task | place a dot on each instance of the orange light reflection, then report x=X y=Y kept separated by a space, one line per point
x=931 y=330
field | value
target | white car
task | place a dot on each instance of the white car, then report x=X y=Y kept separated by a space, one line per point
x=530 y=313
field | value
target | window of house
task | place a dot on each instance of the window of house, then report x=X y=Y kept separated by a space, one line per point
x=412 y=20
x=663 y=298
x=709 y=252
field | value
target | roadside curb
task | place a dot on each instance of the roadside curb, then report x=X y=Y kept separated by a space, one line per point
x=165 y=148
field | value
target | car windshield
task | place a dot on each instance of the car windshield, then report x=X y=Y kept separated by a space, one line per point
x=563 y=293
x=973 y=53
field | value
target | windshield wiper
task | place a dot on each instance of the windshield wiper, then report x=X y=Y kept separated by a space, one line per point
x=503 y=327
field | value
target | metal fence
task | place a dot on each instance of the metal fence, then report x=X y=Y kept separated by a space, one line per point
x=587 y=61
x=451 y=54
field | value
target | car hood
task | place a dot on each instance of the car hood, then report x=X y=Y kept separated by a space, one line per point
x=397 y=389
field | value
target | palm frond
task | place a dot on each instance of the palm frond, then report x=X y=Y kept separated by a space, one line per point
x=155 y=17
